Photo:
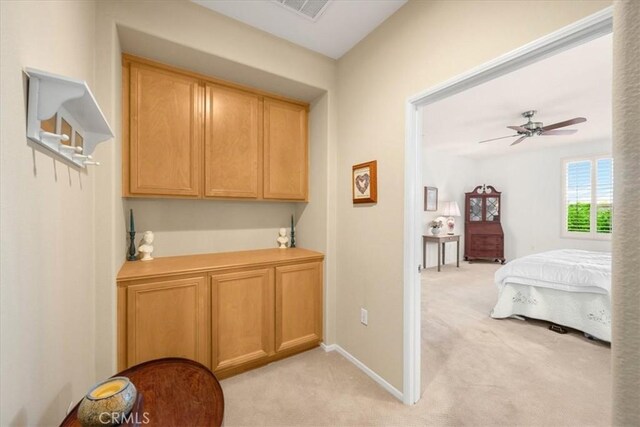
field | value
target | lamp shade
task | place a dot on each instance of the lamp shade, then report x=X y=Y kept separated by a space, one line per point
x=451 y=209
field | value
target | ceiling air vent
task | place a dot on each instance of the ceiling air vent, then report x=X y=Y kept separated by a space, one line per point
x=310 y=9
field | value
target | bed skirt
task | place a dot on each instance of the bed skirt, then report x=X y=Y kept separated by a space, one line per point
x=586 y=312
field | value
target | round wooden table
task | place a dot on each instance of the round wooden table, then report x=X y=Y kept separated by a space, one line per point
x=173 y=392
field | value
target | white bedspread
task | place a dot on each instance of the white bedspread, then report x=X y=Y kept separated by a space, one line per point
x=565 y=269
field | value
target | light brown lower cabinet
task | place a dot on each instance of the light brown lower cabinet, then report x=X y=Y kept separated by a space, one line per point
x=298 y=316
x=229 y=311
x=167 y=318
x=241 y=318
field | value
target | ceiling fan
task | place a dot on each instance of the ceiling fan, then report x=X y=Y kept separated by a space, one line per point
x=532 y=128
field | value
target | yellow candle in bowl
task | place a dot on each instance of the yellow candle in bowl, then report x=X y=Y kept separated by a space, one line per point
x=107 y=402
x=108 y=389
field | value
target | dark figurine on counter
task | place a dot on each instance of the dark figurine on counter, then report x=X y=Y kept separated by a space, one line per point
x=293 y=235
x=131 y=255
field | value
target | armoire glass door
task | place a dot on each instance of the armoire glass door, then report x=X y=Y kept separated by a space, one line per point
x=493 y=209
x=475 y=209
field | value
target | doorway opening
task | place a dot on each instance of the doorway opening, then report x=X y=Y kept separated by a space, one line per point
x=575 y=35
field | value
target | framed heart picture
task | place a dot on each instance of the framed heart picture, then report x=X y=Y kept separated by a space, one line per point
x=364 y=182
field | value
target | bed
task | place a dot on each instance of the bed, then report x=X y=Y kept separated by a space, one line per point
x=567 y=287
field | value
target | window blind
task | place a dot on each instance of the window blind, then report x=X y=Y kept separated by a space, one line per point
x=604 y=195
x=578 y=196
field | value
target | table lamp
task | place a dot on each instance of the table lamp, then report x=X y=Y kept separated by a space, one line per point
x=451 y=209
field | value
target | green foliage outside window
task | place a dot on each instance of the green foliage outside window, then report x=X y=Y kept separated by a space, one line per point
x=579 y=218
x=604 y=219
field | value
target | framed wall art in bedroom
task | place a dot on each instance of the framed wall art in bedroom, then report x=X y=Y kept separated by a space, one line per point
x=430 y=199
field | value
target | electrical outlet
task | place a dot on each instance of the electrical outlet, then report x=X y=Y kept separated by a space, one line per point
x=364 y=316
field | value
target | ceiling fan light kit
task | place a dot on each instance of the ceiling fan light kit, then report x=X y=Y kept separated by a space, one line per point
x=532 y=128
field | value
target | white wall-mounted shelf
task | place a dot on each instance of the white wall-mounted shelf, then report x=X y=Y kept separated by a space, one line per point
x=79 y=124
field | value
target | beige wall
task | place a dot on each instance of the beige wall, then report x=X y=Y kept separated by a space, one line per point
x=207 y=226
x=47 y=222
x=424 y=43
x=183 y=227
x=626 y=253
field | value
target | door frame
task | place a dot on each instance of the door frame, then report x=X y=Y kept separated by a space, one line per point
x=582 y=31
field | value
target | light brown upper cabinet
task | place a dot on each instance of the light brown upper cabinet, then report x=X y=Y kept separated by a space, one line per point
x=232 y=152
x=285 y=150
x=194 y=136
x=164 y=146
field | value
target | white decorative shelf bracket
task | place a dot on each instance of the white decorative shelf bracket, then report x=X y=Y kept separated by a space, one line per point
x=75 y=123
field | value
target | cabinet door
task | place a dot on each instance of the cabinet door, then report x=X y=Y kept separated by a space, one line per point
x=167 y=319
x=492 y=209
x=165 y=133
x=285 y=150
x=476 y=209
x=233 y=130
x=298 y=305
x=241 y=317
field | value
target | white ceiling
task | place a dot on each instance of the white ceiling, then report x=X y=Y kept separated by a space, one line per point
x=340 y=27
x=574 y=83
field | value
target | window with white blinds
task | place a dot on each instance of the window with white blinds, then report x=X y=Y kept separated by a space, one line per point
x=604 y=195
x=588 y=197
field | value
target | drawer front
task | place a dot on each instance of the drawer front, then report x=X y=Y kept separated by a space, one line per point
x=481 y=243
x=487 y=253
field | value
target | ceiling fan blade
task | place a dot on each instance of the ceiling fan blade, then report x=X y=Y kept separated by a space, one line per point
x=560 y=132
x=518 y=129
x=563 y=124
x=495 y=139
x=519 y=140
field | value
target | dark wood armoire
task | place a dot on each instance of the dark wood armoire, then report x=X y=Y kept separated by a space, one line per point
x=484 y=238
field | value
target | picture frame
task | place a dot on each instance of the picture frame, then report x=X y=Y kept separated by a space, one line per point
x=430 y=199
x=364 y=182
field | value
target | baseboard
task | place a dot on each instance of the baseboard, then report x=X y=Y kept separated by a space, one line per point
x=364 y=368
x=328 y=348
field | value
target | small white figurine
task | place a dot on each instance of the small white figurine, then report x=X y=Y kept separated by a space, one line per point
x=282 y=239
x=146 y=247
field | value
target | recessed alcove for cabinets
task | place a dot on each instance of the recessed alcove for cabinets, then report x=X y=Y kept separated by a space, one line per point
x=221 y=212
x=219 y=219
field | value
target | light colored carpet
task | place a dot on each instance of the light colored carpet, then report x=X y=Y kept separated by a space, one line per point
x=477 y=371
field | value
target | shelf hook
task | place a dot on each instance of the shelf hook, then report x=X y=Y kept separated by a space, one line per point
x=61 y=137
